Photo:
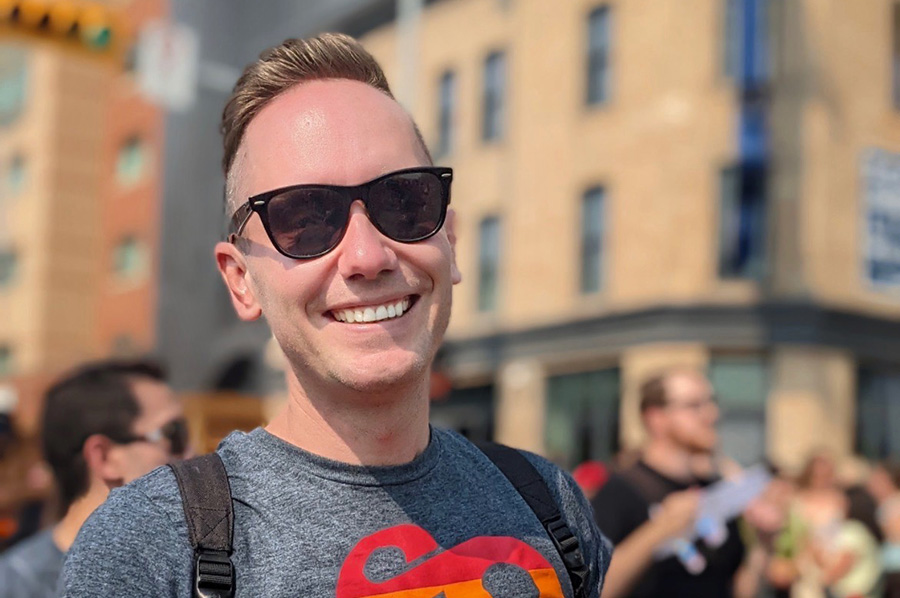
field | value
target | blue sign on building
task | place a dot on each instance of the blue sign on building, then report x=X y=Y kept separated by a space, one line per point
x=881 y=217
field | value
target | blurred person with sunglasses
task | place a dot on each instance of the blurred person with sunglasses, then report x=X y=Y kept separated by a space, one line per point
x=341 y=237
x=104 y=425
x=679 y=412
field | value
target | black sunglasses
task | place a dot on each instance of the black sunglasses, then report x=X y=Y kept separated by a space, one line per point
x=306 y=221
x=174 y=432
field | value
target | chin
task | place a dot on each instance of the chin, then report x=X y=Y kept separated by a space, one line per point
x=378 y=377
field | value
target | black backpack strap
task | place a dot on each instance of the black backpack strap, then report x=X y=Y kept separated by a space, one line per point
x=529 y=483
x=206 y=497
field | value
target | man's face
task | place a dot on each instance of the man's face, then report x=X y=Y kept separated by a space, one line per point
x=158 y=406
x=342 y=133
x=690 y=415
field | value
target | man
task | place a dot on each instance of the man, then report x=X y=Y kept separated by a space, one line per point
x=679 y=412
x=343 y=246
x=104 y=425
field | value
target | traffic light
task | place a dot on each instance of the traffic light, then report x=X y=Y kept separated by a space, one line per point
x=78 y=24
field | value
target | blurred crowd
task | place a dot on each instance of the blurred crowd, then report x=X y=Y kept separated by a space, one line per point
x=830 y=531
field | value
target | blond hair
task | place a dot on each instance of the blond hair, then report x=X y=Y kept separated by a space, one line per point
x=326 y=56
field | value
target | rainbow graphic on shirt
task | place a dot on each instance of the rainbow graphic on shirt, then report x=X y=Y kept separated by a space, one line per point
x=456 y=572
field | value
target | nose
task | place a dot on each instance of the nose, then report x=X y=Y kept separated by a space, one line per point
x=364 y=251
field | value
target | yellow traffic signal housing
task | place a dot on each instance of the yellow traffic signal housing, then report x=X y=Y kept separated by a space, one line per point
x=77 y=24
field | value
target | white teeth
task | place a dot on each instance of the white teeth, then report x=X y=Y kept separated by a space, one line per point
x=373 y=314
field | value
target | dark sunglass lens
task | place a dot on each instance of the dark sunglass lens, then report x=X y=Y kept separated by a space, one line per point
x=307 y=222
x=408 y=206
x=176 y=432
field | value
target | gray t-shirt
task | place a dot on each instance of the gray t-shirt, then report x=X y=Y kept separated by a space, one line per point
x=448 y=521
x=31 y=568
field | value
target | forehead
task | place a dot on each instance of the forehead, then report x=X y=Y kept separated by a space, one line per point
x=687 y=386
x=154 y=398
x=333 y=131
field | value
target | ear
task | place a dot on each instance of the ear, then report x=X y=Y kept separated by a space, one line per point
x=450 y=225
x=101 y=463
x=232 y=266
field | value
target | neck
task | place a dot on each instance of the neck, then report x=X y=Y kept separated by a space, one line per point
x=387 y=428
x=65 y=531
x=668 y=459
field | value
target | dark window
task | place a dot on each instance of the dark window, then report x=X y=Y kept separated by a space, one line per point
x=488 y=263
x=732 y=38
x=742 y=222
x=494 y=96
x=582 y=417
x=15 y=176
x=446 y=113
x=745 y=38
x=9 y=261
x=130 y=259
x=895 y=58
x=742 y=386
x=13 y=84
x=6 y=361
x=878 y=414
x=598 y=75
x=592 y=240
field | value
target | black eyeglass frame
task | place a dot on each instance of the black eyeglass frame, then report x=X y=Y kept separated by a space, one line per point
x=179 y=435
x=260 y=203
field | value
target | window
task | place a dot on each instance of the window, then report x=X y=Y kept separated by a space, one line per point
x=741 y=384
x=582 y=417
x=598 y=75
x=131 y=164
x=494 y=100
x=746 y=41
x=6 y=361
x=742 y=222
x=592 y=240
x=488 y=263
x=9 y=262
x=13 y=83
x=895 y=58
x=878 y=414
x=15 y=175
x=446 y=113
x=129 y=259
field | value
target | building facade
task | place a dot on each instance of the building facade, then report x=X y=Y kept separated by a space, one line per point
x=641 y=185
x=80 y=155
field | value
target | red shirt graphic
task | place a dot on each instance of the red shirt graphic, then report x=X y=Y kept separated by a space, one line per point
x=457 y=572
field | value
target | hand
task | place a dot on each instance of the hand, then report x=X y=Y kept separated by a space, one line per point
x=677 y=513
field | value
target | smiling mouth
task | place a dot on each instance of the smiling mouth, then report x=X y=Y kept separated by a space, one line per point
x=374 y=313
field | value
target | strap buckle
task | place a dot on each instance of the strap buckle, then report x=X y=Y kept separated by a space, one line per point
x=214 y=576
x=569 y=548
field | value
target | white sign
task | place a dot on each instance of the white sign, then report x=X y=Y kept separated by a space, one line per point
x=881 y=217
x=167 y=64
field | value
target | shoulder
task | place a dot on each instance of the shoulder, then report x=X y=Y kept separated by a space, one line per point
x=619 y=508
x=573 y=507
x=31 y=567
x=134 y=543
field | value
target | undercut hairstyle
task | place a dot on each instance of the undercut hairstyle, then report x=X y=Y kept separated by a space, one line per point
x=294 y=61
x=96 y=398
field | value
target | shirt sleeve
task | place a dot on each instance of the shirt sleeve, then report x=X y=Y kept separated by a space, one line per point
x=128 y=547
x=618 y=510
